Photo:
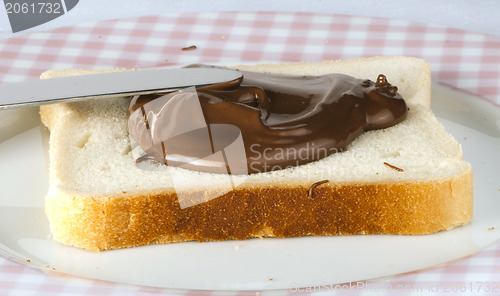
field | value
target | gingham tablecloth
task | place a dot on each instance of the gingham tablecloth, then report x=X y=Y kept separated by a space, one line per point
x=462 y=60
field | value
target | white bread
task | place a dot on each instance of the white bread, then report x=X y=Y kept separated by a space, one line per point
x=98 y=199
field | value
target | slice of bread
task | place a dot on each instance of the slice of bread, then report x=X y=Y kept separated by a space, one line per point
x=406 y=179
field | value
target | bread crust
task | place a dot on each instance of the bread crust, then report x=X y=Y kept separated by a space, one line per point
x=128 y=220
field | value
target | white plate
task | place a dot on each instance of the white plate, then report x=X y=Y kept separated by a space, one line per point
x=252 y=264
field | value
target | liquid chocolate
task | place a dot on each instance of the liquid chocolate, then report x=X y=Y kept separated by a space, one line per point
x=283 y=121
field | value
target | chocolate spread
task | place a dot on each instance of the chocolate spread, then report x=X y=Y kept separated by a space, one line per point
x=284 y=121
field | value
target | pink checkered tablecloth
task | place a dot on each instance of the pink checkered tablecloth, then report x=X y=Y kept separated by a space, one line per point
x=462 y=60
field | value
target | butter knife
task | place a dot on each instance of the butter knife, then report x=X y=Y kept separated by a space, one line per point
x=111 y=84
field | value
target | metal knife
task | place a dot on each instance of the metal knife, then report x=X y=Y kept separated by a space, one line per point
x=111 y=84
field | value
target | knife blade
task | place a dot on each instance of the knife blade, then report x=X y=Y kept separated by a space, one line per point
x=110 y=84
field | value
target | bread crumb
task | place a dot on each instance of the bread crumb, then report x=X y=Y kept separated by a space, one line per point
x=393 y=167
x=236 y=246
x=465 y=138
x=48 y=266
x=311 y=189
x=28 y=260
x=491 y=228
x=271 y=279
x=192 y=47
